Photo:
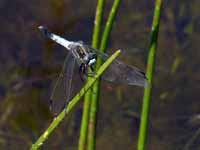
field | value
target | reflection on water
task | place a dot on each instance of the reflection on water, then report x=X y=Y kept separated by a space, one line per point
x=28 y=65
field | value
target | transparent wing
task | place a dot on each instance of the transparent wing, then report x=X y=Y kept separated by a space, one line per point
x=119 y=72
x=62 y=89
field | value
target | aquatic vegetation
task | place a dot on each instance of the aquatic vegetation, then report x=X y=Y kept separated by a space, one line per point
x=150 y=74
x=72 y=103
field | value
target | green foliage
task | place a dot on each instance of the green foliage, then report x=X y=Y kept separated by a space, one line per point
x=150 y=74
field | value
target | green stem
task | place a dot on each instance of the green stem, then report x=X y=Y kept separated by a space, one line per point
x=87 y=98
x=57 y=120
x=97 y=24
x=109 y=25
x=192 y=140
x=96 y=88
x=150 y=72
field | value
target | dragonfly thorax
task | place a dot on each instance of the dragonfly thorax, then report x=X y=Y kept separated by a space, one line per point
x=79 y=53
x=83 y=55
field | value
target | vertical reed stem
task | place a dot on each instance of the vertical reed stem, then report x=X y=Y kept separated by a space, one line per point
x=87 y=98
x=150 y=72
x=96 y=88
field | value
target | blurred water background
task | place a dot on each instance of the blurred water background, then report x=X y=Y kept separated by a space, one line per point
x=29 y=63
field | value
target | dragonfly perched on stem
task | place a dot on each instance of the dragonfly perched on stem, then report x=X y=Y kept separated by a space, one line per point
x=85 y=57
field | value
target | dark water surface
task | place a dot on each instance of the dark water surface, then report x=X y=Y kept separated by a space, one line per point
x=29 y=63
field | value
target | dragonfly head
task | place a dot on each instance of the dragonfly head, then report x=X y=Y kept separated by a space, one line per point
x=92 y=58
x=91 y=62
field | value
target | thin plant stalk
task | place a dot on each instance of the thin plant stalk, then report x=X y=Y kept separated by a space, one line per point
x=87 y=98
x=150 y=73
x=96 y=88
x=57 y=120
x=98 y=24
x=192 y=140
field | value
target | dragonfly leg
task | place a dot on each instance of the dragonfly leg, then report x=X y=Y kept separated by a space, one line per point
x=50 y=104
x=82 y=71
x=92 y=68
x=91 y=73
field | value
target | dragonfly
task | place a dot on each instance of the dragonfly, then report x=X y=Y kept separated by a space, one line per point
x=85 y=57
